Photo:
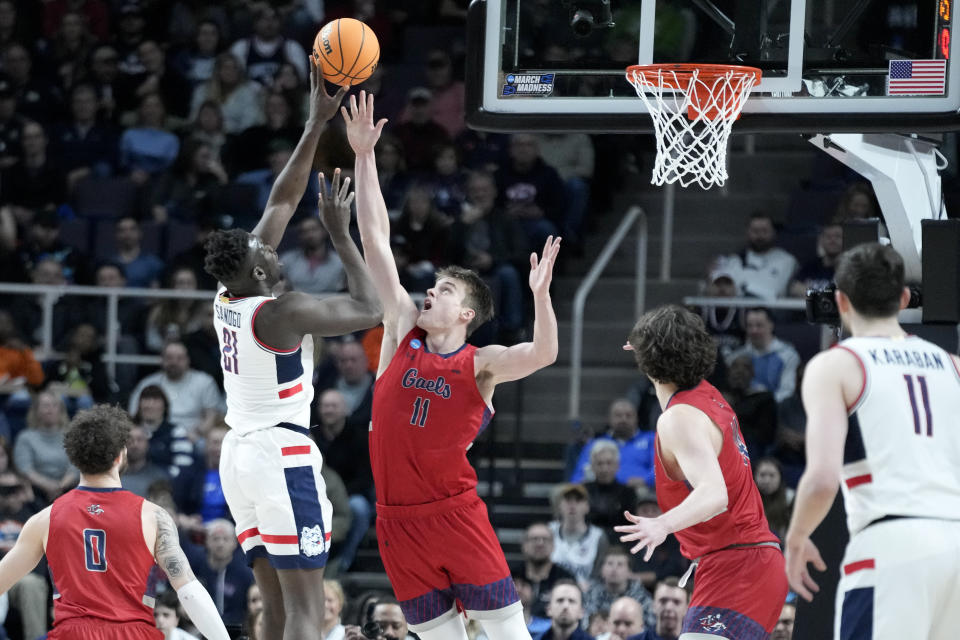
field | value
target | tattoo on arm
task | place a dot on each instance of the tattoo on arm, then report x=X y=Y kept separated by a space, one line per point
x=167 y=549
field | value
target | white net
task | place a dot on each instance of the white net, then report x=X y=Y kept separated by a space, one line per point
x=693 y=113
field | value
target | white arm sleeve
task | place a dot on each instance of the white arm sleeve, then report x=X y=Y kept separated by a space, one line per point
x=199 y=606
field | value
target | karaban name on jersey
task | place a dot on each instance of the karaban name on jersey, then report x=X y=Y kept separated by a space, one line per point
x=427 y=411
x=264 y=385
x=903 y=434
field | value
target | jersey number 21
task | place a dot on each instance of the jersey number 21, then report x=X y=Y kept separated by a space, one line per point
x=230 y=364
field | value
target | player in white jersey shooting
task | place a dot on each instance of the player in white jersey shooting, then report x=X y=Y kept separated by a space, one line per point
x=270 y=466
x=883 y=422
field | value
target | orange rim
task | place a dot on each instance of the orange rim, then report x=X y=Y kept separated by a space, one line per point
x=679 y=76
x=684 y=71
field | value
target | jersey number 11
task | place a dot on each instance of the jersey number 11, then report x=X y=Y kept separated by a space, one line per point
x=420 y=408
x=924 y=398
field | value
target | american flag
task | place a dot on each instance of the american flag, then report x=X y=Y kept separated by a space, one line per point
x=917 y=77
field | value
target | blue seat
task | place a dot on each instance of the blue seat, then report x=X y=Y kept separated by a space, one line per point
x=76 y=233
x=105 y=197
x=239 y=201
x=180 y=237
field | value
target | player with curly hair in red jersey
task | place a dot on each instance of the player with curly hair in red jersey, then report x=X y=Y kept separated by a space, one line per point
x=705 y=486
x=433 y=395
x=101 y=543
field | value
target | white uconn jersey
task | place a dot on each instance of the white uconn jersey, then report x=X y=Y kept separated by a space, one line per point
x=902 y=454
x=264 y=386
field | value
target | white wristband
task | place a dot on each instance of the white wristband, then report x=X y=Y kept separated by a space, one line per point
x=199 y=606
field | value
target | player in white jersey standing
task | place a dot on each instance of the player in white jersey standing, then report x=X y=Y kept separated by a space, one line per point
x=270 y=466
x=883 y=422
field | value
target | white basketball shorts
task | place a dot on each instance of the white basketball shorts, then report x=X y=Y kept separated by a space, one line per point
x=271 y=480
x=899 y=580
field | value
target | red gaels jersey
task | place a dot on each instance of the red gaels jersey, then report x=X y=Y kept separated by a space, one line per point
x=743 y=522
x=427 y=411
x=99 y=561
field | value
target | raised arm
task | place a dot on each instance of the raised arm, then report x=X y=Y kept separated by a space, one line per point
x=170 y=557
x=399 y=311
x=292 y=181
x=26 y=552
x=503 y=364
x=296 y=314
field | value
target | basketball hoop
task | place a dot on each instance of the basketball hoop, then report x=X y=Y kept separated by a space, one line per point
x=693 y=107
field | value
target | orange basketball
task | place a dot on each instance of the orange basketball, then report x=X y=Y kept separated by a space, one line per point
x=347 y=51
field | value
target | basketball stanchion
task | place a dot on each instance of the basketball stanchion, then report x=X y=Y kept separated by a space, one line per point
x=693 y=107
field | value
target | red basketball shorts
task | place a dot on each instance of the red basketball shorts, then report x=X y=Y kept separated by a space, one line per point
x=439 y=553
x=93 y=629
x=738 y=593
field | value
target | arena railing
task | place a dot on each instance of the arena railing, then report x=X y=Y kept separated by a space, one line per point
x=635 y=215
x=786 y=304
x=50 y=294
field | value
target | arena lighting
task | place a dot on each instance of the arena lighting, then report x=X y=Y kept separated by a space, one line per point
x=945 y=9
x=945 y=43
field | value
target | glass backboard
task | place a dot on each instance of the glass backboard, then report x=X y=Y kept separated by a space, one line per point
x=828 y=65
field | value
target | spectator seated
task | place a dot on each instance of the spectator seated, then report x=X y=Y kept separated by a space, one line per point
x=762 y=269
x=636 y=447
x=775 y=362
x=579 y=547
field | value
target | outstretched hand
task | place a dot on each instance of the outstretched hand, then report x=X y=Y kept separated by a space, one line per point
x=647 y=532
x=799 y=553
x=361 y=132
x=541 y=271
x=334 y=204
x=323 y=106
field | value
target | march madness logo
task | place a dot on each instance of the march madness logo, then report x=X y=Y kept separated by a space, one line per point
x=528 y=85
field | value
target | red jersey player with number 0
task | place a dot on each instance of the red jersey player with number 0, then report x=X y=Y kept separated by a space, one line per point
x=433 y=395
x=705 y=487
x=101 y=543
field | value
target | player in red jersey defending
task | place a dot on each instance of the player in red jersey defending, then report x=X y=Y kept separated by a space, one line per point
x=432 y=397
x=705 y=486
x=101 y=543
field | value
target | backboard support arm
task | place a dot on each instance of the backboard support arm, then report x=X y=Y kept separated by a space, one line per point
x=904 y=172
x=852 y=17
x=715 y=14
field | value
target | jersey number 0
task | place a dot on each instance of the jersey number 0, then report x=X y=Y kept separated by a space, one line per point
x=95 y=549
